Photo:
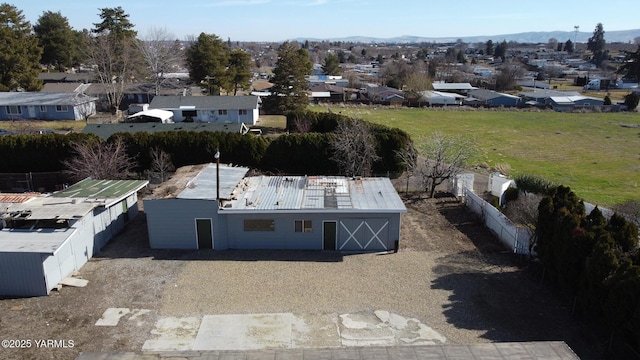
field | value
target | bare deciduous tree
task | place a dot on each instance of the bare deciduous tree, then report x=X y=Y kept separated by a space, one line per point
x=524 y=211
x=506 y=78
x=631 y=210
x=409 y=159
x=161 y=164
x=114 y=64
x=445 y=157
x=161 y=52
x=354 y=148
x=99 y=161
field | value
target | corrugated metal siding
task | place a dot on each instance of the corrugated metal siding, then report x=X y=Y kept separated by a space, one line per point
x=66 y=260
x=51 y=270
x=21 y=274
x=171 y=223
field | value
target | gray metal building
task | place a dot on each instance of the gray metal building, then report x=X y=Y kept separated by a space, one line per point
x=47 y=238
x=277 y=212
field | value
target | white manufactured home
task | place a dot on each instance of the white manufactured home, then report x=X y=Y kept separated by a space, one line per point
x=277 y=212
x=47 y=238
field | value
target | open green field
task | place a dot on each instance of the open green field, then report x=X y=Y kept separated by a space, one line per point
x=591 y=152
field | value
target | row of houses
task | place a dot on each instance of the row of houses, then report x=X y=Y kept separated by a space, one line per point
x=77 y=106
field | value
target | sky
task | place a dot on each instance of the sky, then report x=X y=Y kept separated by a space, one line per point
x=279 y=20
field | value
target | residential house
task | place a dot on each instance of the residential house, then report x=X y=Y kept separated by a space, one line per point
x=541 y=97
x=136 y=93
x=233 y=211
x=46 y=106
x=482 y=97
x=438 y=98
x=336 y=93
x=570 y=103
x=385 y=95
x=215 y=109
x=45 y=239
x=460 y=88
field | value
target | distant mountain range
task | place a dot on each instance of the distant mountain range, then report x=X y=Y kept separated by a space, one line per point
x=623 y=36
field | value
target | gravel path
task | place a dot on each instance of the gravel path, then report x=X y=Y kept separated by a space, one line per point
x=450 y=274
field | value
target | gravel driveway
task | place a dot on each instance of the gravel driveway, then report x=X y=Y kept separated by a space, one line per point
x=450 y=273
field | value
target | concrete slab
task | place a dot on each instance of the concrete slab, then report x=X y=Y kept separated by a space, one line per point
x=245 y=332
x=287 y=331
x=173 y=334
x=75 y=282
x=111 y=316
x=315 y=331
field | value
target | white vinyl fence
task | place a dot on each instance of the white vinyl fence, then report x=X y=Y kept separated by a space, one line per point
x=515 y=238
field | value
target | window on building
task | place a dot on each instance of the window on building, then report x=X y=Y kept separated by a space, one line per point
x=14 y=110
x=302 y=226
x=189 y=113
x=62 y=108
x=242 y=111
x=43 y=108
x=222 y=112
x=259 y=225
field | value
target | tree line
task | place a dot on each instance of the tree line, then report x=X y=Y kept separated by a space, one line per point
x=593 y=259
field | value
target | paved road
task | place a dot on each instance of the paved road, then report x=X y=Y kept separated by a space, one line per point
x=526 y=350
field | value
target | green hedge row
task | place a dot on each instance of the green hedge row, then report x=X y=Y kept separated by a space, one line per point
x=306 y=153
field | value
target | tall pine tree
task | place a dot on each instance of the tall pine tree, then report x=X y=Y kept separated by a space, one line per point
x=290 y=89
x=19 y=52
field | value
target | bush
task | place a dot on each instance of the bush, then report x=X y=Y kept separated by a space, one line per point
x=535 y=184
x=631 y=100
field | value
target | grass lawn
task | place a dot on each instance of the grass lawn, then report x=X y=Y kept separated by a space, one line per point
x=57 y=125
x=592 y=153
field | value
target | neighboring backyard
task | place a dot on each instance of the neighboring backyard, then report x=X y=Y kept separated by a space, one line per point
x=596 y=154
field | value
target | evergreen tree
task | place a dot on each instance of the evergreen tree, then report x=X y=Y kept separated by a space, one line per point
x=501 y=50
x=290 y=89
x=57 y=40
x=239 y=70
x=115 y=21
x=569 y=47
x=111 y=48
x=207 y=60
x=489 y=47
x=631 y=67
x=19 y=52
x=596 y=44
x=331 y=65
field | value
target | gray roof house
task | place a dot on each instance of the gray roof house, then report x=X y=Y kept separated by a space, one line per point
x=215 y=109
x=491 y=98
x=44 y=239
x=570 y=103
x=276 y=212
x=46 y=106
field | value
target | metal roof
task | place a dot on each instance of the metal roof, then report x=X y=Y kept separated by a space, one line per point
x=43 y=98
x=50 y=208
x=106 y=130
x=107 y=191
x=452 y=86
x=205 y=102
x=203 y=186
x=44 y=241
x=314 y=193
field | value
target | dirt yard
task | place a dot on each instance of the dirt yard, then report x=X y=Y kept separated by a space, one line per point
x=450 y=273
